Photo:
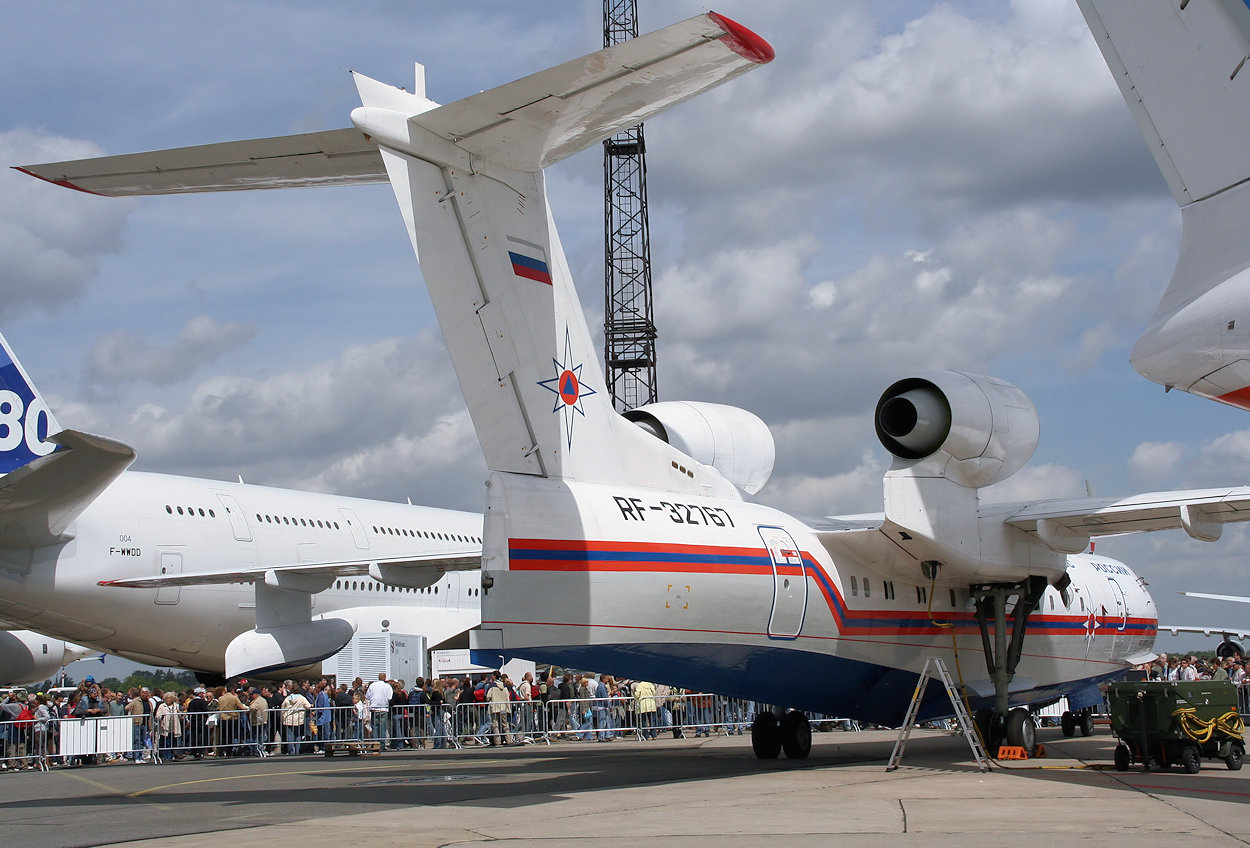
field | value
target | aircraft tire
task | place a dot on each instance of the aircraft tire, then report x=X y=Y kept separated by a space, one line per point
x=766 y=736
x=1236 y=754
x=1191 y=759
x=1086 y=723
x=989 y=726
x=1122 y=757
x=796 y=735
x=1068 y=724
x=1021 y=730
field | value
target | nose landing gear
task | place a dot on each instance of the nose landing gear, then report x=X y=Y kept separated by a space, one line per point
x=1002 y=725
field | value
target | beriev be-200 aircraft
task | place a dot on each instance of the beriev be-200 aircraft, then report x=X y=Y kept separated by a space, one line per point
x=637 y=523
x=1181 y=68
x=274 y=579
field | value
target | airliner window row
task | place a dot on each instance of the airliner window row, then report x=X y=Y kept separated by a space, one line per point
x=425 y=534
x=296 y=522
x=191 y=511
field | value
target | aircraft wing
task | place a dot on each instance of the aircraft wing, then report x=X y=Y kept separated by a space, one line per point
x=1240 y=599
x=1068 y=525
x=1238 y=633
x=39 y=500
x=414 y=572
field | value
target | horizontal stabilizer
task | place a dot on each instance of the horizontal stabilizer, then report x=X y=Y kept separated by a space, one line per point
x=39 y=500
x=535 y=121
x=334 y=157
x=314 y=577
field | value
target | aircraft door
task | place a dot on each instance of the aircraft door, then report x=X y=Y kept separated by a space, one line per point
x=789 y=584
x=1122 y=642
x=171 y=563
x=358 y=529
x=1121 y=605
x=238 y=521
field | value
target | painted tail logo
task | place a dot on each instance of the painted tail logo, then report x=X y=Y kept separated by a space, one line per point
x=25 y=420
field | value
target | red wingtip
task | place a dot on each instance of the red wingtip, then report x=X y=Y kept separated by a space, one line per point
x=742 y=41
x=62 y=182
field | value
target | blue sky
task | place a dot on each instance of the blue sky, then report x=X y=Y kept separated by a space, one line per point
x=908 y=186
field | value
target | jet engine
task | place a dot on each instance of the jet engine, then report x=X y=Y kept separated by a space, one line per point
x=733 y=441
x=27 y=657
x=1228 y=648
x=980 y=430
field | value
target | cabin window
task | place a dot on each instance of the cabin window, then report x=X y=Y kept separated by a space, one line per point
x=922 y=594
x=889 y=590
x=854 y=587
x=867 y=589
x=169 y=509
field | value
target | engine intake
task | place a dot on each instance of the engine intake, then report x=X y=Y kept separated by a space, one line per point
x=733 y=441
x=982 y=430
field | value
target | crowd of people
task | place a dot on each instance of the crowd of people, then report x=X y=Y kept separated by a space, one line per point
x=288 y=718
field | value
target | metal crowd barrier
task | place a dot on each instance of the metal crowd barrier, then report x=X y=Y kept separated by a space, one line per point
x=177 y=735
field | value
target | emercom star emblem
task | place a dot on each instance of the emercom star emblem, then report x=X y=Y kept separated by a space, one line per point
x=568 y=388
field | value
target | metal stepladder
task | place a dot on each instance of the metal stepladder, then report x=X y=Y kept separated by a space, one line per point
x=961 y=713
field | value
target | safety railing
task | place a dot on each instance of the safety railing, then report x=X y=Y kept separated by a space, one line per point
x=170 y=734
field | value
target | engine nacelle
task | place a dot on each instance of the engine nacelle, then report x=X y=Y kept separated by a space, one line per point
x=733 y=441
x=28 y=657
x=980 y=429
x=1228 y=648
x=289 y=646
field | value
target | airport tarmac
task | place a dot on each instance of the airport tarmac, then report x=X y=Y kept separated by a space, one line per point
x=663 y=793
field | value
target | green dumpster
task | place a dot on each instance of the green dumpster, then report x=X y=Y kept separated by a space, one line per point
x=1165 y=723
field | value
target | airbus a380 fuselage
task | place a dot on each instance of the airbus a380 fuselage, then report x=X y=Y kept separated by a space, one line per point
x=146 y=524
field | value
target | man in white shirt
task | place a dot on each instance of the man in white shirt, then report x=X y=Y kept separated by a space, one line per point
x=378 y=697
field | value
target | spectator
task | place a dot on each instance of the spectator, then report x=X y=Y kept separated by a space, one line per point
x=499 y=705
x=258 y=719
x=295 y=709
x=378 y=699
x=229 y=710
x=168 y=722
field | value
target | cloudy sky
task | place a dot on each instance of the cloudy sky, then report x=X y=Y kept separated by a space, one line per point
x=909 y=185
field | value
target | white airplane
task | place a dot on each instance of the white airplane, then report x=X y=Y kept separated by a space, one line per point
x=275 y=579
x=1231 y=638
x=29 y=657
x=637 y=523
x=1181 y=70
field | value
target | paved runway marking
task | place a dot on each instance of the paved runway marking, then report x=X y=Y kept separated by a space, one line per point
x=270 y=774
x=104 y=787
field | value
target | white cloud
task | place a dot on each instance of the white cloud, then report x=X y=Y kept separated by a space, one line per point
x=121 y=356
x=51 y=242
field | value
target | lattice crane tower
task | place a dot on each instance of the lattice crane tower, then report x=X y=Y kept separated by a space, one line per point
x=628 y=325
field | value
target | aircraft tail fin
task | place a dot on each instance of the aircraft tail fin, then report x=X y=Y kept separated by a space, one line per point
x=1182 y=73
x=49 y=475
x=469 y=180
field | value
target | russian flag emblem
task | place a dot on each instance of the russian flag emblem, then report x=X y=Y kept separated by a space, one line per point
x=528 y=260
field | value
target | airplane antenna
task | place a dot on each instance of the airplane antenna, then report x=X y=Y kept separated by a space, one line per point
x=628 y=325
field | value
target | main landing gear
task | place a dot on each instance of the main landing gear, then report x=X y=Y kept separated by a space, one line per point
x=1082 y=720
x=791 y=733
x=1002 y=725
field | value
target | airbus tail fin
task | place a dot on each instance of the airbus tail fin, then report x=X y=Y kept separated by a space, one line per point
x=25 y=420
x=49 y=475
